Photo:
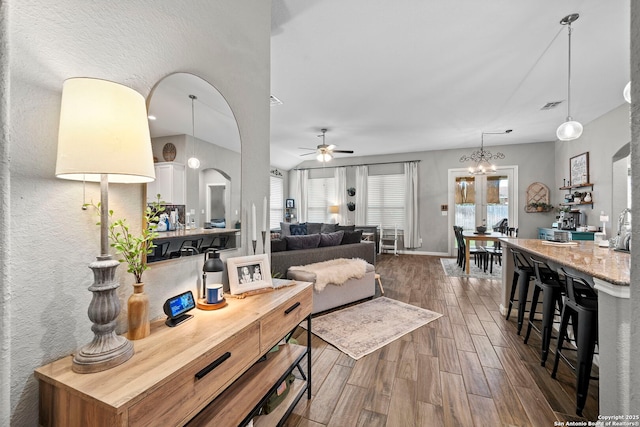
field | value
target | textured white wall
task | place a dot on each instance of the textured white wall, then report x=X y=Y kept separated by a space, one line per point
x=49 y=242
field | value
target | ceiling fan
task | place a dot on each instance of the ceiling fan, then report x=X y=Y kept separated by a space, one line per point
x=323 y=151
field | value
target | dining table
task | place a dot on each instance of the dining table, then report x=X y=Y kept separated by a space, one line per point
x=468 y=236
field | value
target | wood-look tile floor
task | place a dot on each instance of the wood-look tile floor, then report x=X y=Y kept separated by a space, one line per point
x=468 y=368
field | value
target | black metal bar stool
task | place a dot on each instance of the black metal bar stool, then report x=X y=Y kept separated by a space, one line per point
x=581 y=306
x=522 y=273
x=547 y=282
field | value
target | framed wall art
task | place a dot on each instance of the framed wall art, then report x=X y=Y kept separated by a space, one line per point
x=290 y=203
x=579 y=169
x=249 y=273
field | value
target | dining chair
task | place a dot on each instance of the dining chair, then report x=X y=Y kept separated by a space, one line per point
x=388 y=240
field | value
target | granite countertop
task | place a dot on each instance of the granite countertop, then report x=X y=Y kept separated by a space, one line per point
x=587 y=257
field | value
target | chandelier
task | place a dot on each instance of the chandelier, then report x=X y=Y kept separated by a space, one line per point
x=482 y=158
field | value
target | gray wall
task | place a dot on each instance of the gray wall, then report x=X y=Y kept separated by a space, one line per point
x=44 y=296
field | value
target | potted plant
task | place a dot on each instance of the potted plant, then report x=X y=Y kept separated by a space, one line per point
x=134 y=250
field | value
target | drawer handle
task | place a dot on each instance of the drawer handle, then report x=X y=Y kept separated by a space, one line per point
x=213 y=365
x=293 y=307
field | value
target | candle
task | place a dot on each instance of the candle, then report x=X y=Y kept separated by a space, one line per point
x=264 y=214
x=253 y=221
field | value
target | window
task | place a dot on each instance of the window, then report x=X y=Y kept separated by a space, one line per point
x=276 y=202
x=385 y=199
x=321 y=195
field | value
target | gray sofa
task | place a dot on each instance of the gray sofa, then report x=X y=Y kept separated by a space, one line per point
x=332 y=296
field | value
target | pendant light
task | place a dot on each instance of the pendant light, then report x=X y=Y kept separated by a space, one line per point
x=193 y=161
x=627 y=93
x=570 y=129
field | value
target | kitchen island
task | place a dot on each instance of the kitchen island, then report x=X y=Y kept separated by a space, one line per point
x=228 y=238
x=609 y=272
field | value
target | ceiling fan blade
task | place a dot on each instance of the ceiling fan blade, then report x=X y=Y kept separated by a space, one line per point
x=342 y=151
x=305 y=148
x=308 y=154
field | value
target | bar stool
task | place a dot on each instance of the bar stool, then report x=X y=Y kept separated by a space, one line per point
x=547 y=282
x=581 y=306
x=522 y=273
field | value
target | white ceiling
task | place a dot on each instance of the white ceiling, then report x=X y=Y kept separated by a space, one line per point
x=415 y=75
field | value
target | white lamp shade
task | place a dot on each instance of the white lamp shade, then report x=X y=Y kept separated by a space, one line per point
x=627 y=93
x=569 y=130
x=103 y=130
x=334 y=209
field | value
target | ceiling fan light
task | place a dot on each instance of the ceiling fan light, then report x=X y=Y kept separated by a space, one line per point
x=627 y=93
x=569 y=130
x=324 y=157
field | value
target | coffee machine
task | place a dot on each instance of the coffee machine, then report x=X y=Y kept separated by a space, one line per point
x=570 y=220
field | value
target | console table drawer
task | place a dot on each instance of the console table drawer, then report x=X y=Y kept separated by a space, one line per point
x=283 y=319
x=181 y=397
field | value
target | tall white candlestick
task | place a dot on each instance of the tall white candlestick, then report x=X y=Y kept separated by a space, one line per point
x=253 y=221
x=264 y=214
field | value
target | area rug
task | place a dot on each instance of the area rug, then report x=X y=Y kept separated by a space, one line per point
x=451 y=269
x=363 y=328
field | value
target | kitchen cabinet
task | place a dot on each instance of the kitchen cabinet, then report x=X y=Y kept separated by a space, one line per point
x=550 y=234
x=170 y=183
x=214 y=369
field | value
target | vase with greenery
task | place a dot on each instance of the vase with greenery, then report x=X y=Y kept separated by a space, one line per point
x=134 y=250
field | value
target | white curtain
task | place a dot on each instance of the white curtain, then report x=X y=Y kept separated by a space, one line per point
x=302 y=178
x=412 y=218
x=362 y=173
x=340 y=175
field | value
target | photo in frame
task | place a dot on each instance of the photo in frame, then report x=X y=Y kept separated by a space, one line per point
x=579 y=169
x=290 y=203
x=248 y=273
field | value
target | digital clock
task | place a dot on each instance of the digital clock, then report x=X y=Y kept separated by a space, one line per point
x=176 y=308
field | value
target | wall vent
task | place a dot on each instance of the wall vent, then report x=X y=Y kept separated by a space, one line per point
x=273 y=101
x=550 y=105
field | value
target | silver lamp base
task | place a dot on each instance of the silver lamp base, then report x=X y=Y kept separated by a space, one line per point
x=107 y=349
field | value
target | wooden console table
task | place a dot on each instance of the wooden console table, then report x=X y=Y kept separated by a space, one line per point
x=209 y=370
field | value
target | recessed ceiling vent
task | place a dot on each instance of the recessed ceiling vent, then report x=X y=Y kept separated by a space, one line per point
x=550 y=105
x=274 y=101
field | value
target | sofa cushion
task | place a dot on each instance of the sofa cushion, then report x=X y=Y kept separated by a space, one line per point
x=329 y=228
x=302 y=242
x=351 y=237
x=278 y=245
x=346 y=227
x=298 y=229
x=331 y=239
x=313 y=227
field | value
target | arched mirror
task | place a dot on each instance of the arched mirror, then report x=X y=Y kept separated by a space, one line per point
x=189 y=118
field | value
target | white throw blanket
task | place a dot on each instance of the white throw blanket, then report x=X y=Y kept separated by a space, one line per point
x=334 y=271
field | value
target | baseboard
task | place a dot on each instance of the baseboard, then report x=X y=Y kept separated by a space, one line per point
x=409 y=252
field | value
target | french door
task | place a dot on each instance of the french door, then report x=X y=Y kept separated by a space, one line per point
x=481 y=199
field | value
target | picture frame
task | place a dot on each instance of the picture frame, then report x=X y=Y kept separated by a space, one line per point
x=290 y=204
x=579 y=169
x=248 y=273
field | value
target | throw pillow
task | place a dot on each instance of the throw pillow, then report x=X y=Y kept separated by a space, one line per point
x=313 y=227
x=331 y=239
x=298 y=229
x=329 y=228
x=302 y=242
x=346 y=227
x=278 y=245
x=284 y=229
x=351 y=237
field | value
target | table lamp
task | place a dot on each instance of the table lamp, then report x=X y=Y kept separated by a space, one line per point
x=212 y=264
x=334 y=210
x=103 y=137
